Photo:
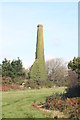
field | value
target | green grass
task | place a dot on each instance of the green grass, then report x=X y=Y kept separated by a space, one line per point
x=18 y=104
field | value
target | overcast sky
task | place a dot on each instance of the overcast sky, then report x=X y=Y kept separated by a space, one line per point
x=19 y=30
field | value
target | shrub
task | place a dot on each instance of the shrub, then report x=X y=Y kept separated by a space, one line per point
x=69 y=106
x=73 y=92
x=6 y=80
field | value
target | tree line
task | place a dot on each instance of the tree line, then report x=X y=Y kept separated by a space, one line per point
x=58 y=72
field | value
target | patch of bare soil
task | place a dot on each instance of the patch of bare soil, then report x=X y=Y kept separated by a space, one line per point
x=53 y=113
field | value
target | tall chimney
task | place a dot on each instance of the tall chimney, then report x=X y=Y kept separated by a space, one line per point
x=40 y=44
x=38 y=71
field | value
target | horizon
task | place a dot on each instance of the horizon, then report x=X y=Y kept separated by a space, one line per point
x=19 y=30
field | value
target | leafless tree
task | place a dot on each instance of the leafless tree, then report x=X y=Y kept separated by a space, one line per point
x=56 y=69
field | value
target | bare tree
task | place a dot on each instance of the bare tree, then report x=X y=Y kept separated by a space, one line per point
x=56 y=69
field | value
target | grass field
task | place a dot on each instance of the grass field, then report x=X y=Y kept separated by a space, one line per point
x=18 y=104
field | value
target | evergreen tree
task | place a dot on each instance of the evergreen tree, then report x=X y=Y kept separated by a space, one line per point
x=7 y=68
x=74 y=86
x=12 y=69
x=75 y=66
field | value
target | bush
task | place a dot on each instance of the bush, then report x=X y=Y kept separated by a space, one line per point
x=6 y=80
x=73 y=92
x=32 y=84
x=69 y=106
x=49 y=84
x=38 y=83
x=26 y=82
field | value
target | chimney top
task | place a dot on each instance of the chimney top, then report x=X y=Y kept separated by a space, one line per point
x=39 y=25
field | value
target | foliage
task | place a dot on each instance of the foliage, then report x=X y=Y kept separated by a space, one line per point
x=75 y=66
x=38 y=84
x=0 y=74
x=7 y=68
x=6 y=80
x=73 y=92
x=38 y=71
x=13 y=69
x=69 y=106
x=74 y=78
x=26 y=71
x=0 y=70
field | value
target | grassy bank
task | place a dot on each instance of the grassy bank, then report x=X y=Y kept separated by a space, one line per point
x=18 y=104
